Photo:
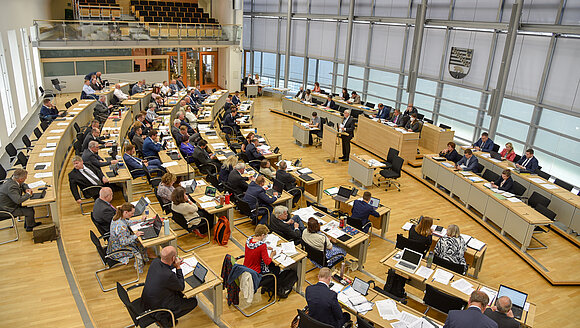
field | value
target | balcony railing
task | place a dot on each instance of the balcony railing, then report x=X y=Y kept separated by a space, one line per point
x=69 y=30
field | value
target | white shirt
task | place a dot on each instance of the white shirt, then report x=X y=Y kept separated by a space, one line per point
x=166 y=90
x=120 y=95
x=190 y=117
x=90 y=175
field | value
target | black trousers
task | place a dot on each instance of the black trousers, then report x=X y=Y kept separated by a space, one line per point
x=345 y=145
x=186 y=305
x=296 y=194
x=28 y=213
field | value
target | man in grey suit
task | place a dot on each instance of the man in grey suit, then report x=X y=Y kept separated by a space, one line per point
x=473 y=316
x=14 y=192
x=91 y=155
x=103 y=210
x=236 y=181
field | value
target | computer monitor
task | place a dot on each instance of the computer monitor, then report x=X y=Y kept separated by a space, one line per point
x=374 y=202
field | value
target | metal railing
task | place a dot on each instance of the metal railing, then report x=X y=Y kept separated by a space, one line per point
x=71 y=30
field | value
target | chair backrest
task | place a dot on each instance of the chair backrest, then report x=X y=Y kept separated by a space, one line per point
x=44 y=125
x=404 y=242
x=74 y=101
x=127 y=301
x=307 y=321
x=392 y=154
x=100 y=249
x=41 y=90
x=244 y=208
x=495 y=147
x=77 y=127
x=538 y=199
x=420 y=116
x=354 y=222
x=3 y=173
x=21 y=159
x=398 y=164
x=243 y=157
x=78 y=144
x=518 y=189
x=489 y=175
x=458 y=268
x=546 y=212
x=37 y=132
x=316 y=256
x=517 y=158
x=442 y=301
x=213 y=180
x=363 y=323
x=478 y=168
x=564 y=184
x=98 y=226
x=543 y=174
x=331 y=124
x=11 y=150
x=179 y=219
x=26 y=141
x=370 y=104
x=67 y=104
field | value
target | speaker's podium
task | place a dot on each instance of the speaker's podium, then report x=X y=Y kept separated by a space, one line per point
x=331 y=142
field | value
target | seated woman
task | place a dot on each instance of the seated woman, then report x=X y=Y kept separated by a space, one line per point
x=266 y=169
x=422 y=231
x=247 y=141
x=505 y=182
x=187 y=150
x=450 y=153
x=122 y=238
x=227 y=167
x=508 y=152
x=308 y=97
x=256 y=252
x=451 y=247
x=165 y=188
x=316 y=239
x=181 y=204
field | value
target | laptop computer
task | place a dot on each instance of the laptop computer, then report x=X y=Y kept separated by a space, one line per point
x=198 y=276
x=191 y=187
x=306 y=177
x=495 y=155
x=518 y=299
x=210 y=191
x=277 y=186
x=114 y=170
x=174 y=155
x=38 y=195
x=140 y=206
x=152 y=231
x=409 y=261
x=360 y=286
x=343 y=194
x=375 y=202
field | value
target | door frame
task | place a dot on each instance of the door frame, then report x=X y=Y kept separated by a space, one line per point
x=183 y=66
x=216 y=56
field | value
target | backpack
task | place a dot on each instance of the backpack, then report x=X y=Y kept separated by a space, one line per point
x=395 y=286
x=285 y=280
x=221 y=231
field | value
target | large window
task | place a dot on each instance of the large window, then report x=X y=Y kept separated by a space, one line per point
x=257 y=63
x=325 y=74
x=22 y=100
x=28 y=65
x=5 y=95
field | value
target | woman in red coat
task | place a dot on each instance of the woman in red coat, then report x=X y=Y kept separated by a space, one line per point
x=256 y=253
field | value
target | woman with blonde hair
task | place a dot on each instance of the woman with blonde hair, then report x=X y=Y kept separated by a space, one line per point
x=508 y=152
x=422 y=231
x=165 y=188
x=227 y=167
x=121 y=238
x=451 y=247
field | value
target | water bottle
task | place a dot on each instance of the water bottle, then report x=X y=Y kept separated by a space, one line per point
x=147 y=212
x=166 y=227
x=430 y=259
x=227 y=198
x=342 y=265
x=256 y=130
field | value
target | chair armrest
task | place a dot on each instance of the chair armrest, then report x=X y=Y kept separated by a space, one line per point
x=144 y=314
x=119 y=251
x=89 y=187
x=199 y=217
x=368 y=223
x=141 y=284
x=105 y=235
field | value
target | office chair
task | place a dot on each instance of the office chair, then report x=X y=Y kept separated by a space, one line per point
x=319 y=257
x=184 y=224
x=428 y=120
x=253 y=214
x=478 y=169
x=404 y=242
x=67 y=104
x=393 y=173
x=538 y=199
x=27 y=143
x=542 y=209
x=495 y=147
x=58 y=85
x=74 y=101
x=420 y=117
x=108 y=262
x=564 y=184
x=102 y=229
x=307 y=321
x=21 y=159
x=11 y=151
x=443 y=126
x=390 y=157
x=518 y=189
x=363 y=323
x=517 y=158
x=489 y=175
x=37 y=133
x=441 y=301
x=140 y=315
x=8 y=216
x=370 y=104
x=44 y=125
x=455 y=267
x=543 y=174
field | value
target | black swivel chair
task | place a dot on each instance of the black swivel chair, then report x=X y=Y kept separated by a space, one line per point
x=319 y=257
x=542 y=209
x=307 y=321
x=538 y=199
x=518 y=189
x=543 y=174
x=11 y=151
x=390 y=157
x=404 y=242
x=455 y=267
x=393 y=173
x=564 y=184
x=489 y=175
x=139 y=313
x=184 y=224
x=517 y=158
x=108 y=262
x=441 y=301
x=478 y=169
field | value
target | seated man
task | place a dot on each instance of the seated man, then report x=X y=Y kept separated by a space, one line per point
x=183 y=135
x=91 y=156
x=14 y=192
x=137 y=87
x=528 y=162
x=102 y=111
x=229 y=104
x=468 y=162
x=151 y=145
x=230 y=120
x=253 y=153
x=121 y=96
x=202 y=157
x=89 y=129
x=236 y=98
x=163 y=288
x=502 y=313
x=146 y=126
x=135 y=163
x=89 y=93
x=396 y=117
x=181 y=116
x=95 y=136
x=289 y=229
x=473 y=316
x=138 y=139
x=173 y=86
x=329 y=102
x=48 y=111
x=166 y=90
x=180 y=83
x=289 y=182
x=175 y=130
x=84 y=176
x=383 y=112
x=315 y=126
x=323 y=303
x=236 y=181
x=361 y=209
x=484 y=143
x=103 y=210
x=256 y=196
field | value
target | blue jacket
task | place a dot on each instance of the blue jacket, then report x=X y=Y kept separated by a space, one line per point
x=235 y=100
x=237 y=271
x=151 y=148
x=487 y=146
x=531 y=165
x=472 y=166
x=471 y=317
x=133 y=164
x=323 y=305
x=384 y=112
x=361 y=210
x=187 y=151
x=48 y=114
x=259 y=193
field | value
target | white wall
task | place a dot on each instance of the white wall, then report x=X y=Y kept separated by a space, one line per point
x=74 y=83
x=230 y=58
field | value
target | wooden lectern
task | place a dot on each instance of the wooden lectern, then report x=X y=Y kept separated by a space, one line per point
x=330 y=142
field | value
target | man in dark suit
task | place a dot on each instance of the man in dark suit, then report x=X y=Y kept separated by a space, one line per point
x=300 y=94
x=202 y=157
x=383 y=112
x=361 y=209
x=473 y=316
x=103 y=210
x=89 y=129
x=236 y=181
x=502 y=314
x=94 y=136
x=289 y=229
x=91 y=156
x=484 y=143
x=14 y=192
x=84 y=176
x=253 y=153
x=179 y=82
x=528 y=162
x=230 y=120
x=138 y=138
x=289 y=182
x=396 y=117
x=329 y=102
x=256 y=196
x=175 y=131
x=347 y=127
x=468 y=162
x=48 y=111
x=135 y=163
x=163 y=288
x=323 y=303
x=101 y=111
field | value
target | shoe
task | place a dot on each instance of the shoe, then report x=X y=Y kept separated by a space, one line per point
x=341 y=157
x=29 y=229
x=345 y=159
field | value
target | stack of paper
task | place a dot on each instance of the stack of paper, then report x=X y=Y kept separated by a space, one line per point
x=514 y=200
x=463 y=286
x=331 y=191
x=475 y=244
x=336 y=287
x=388 y=309
x=169 y=164
x=408 y=318
x=442 y=276
x=475 y=179
x=36 y=184
x=305 y=170
x=43 y=175
x=288 y=248
x=200 y=182
x=549 y=186
x=271 y=240
x=205 y=198
x=424 y=272
x=354 y=300
x=490 y=293
x=537 y=180
x=208 y=204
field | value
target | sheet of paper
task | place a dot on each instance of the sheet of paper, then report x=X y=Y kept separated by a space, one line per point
x=336 y=287
x=43 y=175
x=48 y=148
x=463 y=286
x=53 y=138
x=466 y=173
x=424 y=272
x=332 y=191
x=514 y=200
x=475 y=244
x=408 y=318
x=442 y=276
x=169 y=164
x=490 y=293
x=272 y=240
x=388 y=309
x=45 y=154
x=208 y=204
x=476 y=179
x=205 y=198
x=36 y=184
x=399 y=324
x=57 y=131
x=508 y=194
x=537 y=180
x=465 y=237
x=51 y=144
x=364 y=307
x=447 y=164
x=200 y=182
x=420 y=323
x=527 y=306
x=287 y=261
x=288 y=248
x=549 y=186
x=63 y=124
x=357 y=299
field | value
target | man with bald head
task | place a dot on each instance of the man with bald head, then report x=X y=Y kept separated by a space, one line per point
x=502 y=314
x=473 y=316
x=103 y=210
x=163 y=288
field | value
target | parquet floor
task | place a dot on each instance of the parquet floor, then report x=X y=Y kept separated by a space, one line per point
x=35 y=293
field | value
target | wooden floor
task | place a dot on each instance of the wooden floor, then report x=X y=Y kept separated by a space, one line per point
x=35 y=292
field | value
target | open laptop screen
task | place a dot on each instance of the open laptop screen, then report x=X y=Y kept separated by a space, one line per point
x=411 y=256
x=374 y=202
x=360 y=286
x=200 y=272
x=518 y=298
x=344 y=192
